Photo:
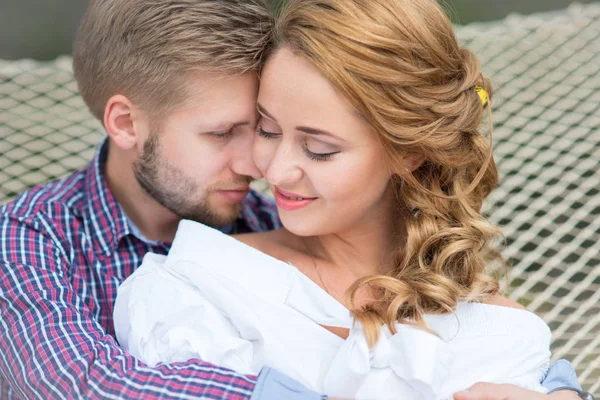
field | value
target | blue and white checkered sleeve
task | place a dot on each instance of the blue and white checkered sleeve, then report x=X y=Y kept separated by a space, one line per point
x=273 y=385
x=561 y=375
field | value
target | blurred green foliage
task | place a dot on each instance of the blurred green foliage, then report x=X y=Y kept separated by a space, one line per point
x=44 y=29
x=466 y=11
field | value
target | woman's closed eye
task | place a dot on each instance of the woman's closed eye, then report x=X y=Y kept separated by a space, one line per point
x=318 y=151
x=266 y=134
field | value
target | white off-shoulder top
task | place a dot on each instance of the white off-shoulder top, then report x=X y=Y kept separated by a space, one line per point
x=217 y=299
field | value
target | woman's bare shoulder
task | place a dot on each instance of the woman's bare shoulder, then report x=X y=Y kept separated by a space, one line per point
x=499 y=300
x=274 y=243
x=254 y=239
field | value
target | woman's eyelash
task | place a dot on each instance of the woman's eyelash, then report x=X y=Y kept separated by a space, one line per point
x=266 y=134
x=310 y=154
x=319 y=156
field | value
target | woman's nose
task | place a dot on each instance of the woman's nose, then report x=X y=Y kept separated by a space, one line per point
x=284 y=168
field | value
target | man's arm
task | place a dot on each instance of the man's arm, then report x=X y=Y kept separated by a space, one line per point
x=52 y=347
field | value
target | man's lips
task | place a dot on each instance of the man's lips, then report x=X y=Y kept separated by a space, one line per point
x=292 y=201
x=235 y=195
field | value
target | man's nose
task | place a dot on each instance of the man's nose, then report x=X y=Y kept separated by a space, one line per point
x=242 y=162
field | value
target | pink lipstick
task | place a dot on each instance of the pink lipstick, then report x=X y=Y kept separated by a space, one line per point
x=292 y=201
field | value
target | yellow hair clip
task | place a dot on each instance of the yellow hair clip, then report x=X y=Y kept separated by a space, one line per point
x=483 y=96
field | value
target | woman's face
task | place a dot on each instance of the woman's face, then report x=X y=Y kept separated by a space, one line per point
x=323 y=162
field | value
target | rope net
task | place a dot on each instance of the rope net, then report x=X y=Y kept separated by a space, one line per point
x=546 y=73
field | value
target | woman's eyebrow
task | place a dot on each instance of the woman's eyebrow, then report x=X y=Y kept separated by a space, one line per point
x=311 y=131
x=315 y=131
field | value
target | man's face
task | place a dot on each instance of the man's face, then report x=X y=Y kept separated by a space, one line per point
x=198 y=163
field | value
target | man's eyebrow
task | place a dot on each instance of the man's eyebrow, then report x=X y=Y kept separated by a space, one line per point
x=221 y=127
x=263 y=111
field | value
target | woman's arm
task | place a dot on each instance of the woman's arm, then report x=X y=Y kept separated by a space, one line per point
x=499 y=300
x=562 y=370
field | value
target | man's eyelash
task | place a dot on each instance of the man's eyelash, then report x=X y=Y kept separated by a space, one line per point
x=220 y=135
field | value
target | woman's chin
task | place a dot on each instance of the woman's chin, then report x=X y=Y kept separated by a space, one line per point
x=301 y=226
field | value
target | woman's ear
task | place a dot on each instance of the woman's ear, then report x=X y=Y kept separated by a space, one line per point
x=120 y=123
x=412 y=161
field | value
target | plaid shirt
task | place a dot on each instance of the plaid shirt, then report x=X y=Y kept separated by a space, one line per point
x=64 y=249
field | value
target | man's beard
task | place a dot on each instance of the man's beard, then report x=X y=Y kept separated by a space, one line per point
x=171 y=188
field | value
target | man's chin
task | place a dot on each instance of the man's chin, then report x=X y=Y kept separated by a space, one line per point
x=223 y=215
x=215 y=216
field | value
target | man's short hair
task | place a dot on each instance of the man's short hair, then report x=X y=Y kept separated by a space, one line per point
x=143 y=49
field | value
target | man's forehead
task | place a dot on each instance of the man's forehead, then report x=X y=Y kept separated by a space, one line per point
x=208 y=84
x=216 y=116
x=202 y=90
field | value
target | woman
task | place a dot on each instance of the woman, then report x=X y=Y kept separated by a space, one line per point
x=376 y=285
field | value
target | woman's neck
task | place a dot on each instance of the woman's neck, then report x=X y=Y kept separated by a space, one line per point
x=360 y=252
x=367 y=248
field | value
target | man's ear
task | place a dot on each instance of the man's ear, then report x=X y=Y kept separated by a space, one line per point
x=412 y=161
x=120 y=122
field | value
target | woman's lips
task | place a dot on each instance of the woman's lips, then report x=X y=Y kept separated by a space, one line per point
x=291 y=201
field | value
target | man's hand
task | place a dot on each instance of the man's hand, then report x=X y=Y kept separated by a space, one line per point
x=491 y=391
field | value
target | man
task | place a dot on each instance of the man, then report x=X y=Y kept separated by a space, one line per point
x=174 y=85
